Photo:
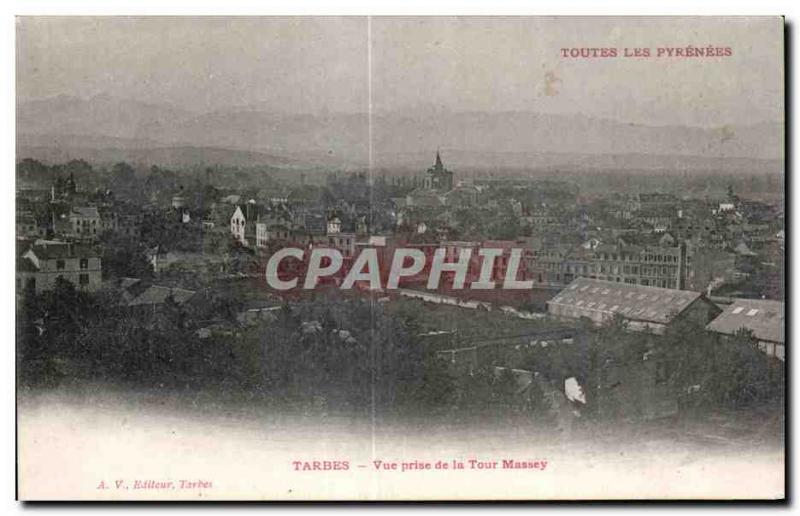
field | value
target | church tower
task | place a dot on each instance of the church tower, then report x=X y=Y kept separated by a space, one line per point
x=440 y=178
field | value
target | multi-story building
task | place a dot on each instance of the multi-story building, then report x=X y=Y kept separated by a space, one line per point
x=129 y=224
x=42 y=263
x=656 y=266
x=272 y=231
x=546 y=264
x=243 y=223
x=344 y=242
x=85 y=223
x=28 y=226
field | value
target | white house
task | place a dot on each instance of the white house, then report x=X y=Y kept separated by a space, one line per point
x=238 y=225
x=334 y=226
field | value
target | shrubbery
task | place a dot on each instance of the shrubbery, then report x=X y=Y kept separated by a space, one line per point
x=344 y=353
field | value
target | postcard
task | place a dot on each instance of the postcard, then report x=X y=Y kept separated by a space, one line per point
x=375 y=258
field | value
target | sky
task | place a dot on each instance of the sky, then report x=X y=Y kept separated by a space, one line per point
x=325 y=64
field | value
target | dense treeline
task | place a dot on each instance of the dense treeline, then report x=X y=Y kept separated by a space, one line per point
x=687 y=364
x=346 y=354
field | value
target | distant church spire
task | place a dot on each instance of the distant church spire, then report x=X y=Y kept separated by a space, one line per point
x=439 y=178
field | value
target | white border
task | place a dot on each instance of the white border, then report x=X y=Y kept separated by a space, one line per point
x=791 y=9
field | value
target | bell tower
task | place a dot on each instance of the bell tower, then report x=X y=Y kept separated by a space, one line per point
x=440 y=178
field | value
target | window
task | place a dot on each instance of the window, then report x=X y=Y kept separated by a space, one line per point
x=83 y=279
x=752 y=312
x=84 y=263
x=60 y=265
x=738 y=309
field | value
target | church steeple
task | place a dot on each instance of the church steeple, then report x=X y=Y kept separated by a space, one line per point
x=71 y=186
x=439 y=178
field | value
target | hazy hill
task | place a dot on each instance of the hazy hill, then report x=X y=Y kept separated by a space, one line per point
x=102 y=115
x=109 y=127
x=166 y=156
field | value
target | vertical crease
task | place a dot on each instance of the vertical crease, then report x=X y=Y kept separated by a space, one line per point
x=371 y=224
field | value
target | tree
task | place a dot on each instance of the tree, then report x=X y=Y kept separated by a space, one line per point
x=124 y=257
x=78 y=167
x=33 y=170
x=123 y=178
x=434 y=394
x=122 y=172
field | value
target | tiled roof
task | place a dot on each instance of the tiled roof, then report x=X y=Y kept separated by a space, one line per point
x=637 y=302
x=85 y=211
x=128 y=282
x=62 y=250
x=26 y=265
x=764 y=318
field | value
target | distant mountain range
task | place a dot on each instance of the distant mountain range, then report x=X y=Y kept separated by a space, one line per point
x=105 y=128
